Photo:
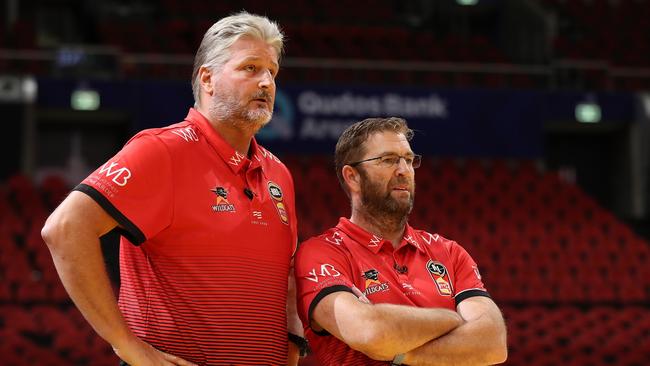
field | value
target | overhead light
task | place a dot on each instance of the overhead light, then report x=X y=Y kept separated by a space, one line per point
x=85 y=100
x=588 y=112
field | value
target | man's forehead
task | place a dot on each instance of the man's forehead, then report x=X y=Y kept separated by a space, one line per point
x=386 y=140
x=253 y=49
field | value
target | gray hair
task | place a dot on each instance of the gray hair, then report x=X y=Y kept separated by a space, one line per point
x=213 y=51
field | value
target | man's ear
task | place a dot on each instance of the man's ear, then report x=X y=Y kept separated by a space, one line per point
x=205 y=80
x=352 y=178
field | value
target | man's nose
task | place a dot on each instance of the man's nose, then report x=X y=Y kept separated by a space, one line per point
x=402 y=167
x=266 y=80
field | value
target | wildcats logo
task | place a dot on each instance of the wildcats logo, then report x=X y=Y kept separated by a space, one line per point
x=373 y=284
x=440 y=277
x=222 y=201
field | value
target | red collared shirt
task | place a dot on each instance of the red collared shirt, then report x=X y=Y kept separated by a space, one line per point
x=214 y=232
x=426 y=270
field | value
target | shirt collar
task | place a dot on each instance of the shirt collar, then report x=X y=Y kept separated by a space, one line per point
x=372 y=241
x=233 y=159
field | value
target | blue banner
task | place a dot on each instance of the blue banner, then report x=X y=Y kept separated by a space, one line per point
x=470 y=123
x=309 y=119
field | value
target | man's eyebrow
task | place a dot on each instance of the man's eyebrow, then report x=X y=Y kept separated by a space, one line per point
x=257 y=58
x=390 y=152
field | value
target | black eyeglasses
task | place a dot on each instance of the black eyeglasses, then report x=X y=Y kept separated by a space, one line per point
x=391 y=160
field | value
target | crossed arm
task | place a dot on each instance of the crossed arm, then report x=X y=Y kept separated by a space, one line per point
x=480 y=340
x=475 y=335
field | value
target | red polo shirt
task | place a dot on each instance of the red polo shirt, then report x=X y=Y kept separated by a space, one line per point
x=426 y=270
x=208 y=236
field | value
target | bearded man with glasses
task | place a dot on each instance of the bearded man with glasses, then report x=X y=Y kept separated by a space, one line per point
x=375 y=291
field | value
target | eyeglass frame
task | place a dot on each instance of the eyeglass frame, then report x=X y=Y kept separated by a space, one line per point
x=399 y=158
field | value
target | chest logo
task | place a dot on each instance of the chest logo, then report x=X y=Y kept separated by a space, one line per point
x=276 y=193
x=373 y=284
x=222 y=204
x=440 y=277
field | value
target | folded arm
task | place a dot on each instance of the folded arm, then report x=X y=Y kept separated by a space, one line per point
x=380 y=331
x=480 y=340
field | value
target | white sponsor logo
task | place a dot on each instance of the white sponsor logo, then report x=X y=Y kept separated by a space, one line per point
x=430 y=238
x=374 y=242
x=236 y=159
x=120 y=176
x=336 y=239
x=326 y=270
x=186 y=134
x=267 y=155
x=257 y=214
x=476 y=272
x=412 y=241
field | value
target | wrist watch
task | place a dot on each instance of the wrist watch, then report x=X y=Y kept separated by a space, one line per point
x=301 y=342
x=399 y=358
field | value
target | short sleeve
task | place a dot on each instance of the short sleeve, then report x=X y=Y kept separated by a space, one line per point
x=321 y=268
x=135 y=188
x=468 y=282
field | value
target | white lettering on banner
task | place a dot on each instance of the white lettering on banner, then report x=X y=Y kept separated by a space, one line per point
x=352 y=105
x=186 y=134
x=323 y=129
x=324 y=272
x=121 y=175
x=429 y=107
x=346 y=104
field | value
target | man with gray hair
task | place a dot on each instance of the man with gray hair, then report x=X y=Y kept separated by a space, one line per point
x=207 y=218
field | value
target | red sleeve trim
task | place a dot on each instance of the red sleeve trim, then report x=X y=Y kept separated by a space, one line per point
x=129 y=230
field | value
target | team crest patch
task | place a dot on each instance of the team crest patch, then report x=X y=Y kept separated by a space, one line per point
x=222 y=204
x=440 y=277
x=373 y=284
x=276 y=193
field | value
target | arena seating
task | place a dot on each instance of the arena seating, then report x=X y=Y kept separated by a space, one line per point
x=609 y=32
x=573 y=281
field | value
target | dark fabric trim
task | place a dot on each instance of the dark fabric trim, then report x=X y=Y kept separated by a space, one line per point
x=324 y=292
x=128 y=229
x=470 y=293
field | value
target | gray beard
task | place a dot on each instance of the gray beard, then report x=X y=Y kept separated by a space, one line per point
x=227 y=108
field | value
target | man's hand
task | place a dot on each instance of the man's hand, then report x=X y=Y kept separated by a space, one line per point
x=139 y=353
x=294 y=354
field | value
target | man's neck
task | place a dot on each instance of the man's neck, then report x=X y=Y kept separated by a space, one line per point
x=388 y=228
x=237 y=138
